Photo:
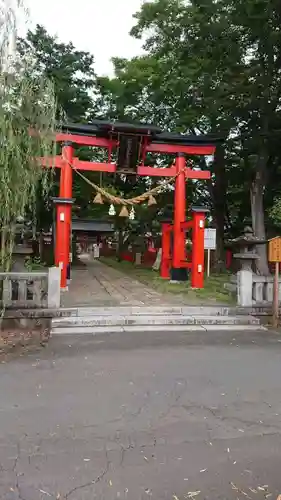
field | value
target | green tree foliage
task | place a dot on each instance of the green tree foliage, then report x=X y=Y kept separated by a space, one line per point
x=70 y=70
x=210 y=66
x=73 y=76
x=102 y=97
x=27 y=104
x=213 y=66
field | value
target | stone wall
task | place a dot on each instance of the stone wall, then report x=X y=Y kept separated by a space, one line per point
x=252 y=289
x=30 y=290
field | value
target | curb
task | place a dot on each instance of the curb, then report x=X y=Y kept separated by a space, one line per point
x=153 y=328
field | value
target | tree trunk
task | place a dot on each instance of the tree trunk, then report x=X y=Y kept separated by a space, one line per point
x=119 y=245
x=219 y=197
x=257 y=210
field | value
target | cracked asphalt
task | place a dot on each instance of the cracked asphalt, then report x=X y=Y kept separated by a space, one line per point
x=160 y=416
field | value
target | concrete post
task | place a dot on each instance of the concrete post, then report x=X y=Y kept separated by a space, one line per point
x=269 y=291
x=138 y=259
x=245 y=288
x=279 y=291
x=54 y=278
x=158 y=260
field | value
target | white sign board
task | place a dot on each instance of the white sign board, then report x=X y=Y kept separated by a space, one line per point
x=210 y=236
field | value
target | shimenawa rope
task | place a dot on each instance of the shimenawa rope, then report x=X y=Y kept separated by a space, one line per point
x=117 y=200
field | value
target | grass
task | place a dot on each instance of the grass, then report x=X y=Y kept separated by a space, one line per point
x=213 y=291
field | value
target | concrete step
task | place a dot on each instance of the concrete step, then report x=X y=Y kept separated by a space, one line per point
x=179 y=319
x=99 y=330
x=155 y=310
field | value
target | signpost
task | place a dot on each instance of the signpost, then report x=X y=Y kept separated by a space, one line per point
x=210 y=237
x=274 y=255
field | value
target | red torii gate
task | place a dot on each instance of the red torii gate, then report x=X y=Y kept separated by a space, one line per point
x=132 y=143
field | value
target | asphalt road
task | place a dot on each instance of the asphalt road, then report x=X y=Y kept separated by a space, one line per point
x=135 y=417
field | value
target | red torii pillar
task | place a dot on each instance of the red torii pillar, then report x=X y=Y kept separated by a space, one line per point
x=63 y=216
x=166 y=250
x=198 y=224
x=197 y=264
x=179 y=213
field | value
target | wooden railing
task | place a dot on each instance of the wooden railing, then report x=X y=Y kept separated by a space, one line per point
x=30 y=290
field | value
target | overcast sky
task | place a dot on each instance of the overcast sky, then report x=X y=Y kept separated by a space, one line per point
x=98 y=26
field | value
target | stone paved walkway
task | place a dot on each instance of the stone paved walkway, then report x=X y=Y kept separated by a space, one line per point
x=96 y=284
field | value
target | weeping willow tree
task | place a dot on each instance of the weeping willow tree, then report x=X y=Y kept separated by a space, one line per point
x=27 y=121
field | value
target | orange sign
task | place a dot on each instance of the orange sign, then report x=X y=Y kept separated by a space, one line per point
x=274 y=249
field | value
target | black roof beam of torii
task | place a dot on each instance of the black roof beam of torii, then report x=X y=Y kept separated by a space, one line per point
x=114 y=129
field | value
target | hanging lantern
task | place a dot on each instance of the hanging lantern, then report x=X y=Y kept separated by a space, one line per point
x=151 y=201
x=111 y=210
x=124 y=212
x=98 y=199
x=132 y=214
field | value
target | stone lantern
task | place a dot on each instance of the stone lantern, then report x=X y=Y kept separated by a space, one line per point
x=246 y=246
x=247 y=256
